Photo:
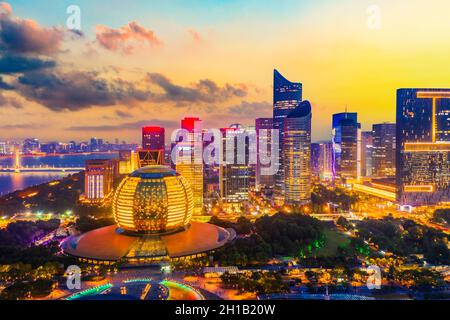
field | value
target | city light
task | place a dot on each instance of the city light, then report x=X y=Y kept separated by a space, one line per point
x=252 y=157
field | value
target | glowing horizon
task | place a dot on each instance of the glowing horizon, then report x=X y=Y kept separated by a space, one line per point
x=155 y=55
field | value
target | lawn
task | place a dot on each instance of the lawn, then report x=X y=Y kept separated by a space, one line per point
x=333 y=240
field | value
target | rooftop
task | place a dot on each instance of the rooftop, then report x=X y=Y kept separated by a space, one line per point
x=110 y=244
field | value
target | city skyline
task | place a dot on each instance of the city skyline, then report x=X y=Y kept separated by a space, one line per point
x=256 y=150
x=364 y=78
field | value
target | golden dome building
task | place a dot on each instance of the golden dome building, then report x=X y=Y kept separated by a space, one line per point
x=152 y=208
x=154 y=199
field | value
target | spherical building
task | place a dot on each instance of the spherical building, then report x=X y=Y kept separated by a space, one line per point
x=153 y=200
x=153 y=209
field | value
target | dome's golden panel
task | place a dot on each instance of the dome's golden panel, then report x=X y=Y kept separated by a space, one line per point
x=153 y=200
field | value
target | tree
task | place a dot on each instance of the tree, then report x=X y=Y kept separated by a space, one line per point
x=341 y=221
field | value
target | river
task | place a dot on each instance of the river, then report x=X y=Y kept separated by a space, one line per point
x=12 y=181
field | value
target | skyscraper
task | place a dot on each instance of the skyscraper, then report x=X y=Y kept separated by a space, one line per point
x=153 y=138
x=384 y=138
x=346 y=133
x=297 y=155
x=99 y=178
x=211 y=171
x=366 y=153
x=236 y=174
x=190 y=167
x=262 y=124
x=286 y=97
x=423 y=146
x=322 y=160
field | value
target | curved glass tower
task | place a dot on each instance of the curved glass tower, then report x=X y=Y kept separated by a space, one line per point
x=297 y=155
x=287 y=96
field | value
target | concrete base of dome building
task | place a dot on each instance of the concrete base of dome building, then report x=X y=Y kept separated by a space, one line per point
x=109 y=245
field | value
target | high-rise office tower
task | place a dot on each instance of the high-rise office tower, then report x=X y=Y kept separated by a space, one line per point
x=384 y=139
x=211 y=171
x=153 y=138
x=297 y=155
x=263 y=128
x=322 y=160
x=315 y=155
x=366 y=153
x=236 y=171
x=286 y=97
x=346 y=133
x=99 y=178
x=153 y=147
x=423 y=146
x=191 y=165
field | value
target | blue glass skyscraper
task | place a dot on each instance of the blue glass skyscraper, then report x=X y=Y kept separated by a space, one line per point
x=423 y=146
x=345 y=129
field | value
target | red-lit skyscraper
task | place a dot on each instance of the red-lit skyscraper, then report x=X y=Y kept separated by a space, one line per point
x=153 y=147
x=191 y=164
x=153 y=138
x=190 y=124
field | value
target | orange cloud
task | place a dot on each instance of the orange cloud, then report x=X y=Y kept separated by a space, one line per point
x=126 y=38
x=195 y=36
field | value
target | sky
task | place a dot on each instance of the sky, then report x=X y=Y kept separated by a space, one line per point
x=151 y=62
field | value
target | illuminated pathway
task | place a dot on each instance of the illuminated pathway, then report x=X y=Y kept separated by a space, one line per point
x=140 y=289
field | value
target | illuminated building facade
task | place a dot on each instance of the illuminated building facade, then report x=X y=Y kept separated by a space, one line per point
x=321 y=160
x=190 y=167
x=153 y=199
x=286 y=97
x=297 y=155
x=346 y=133
x=263 y=127
x=315 y=154
x=423 y=146
x=384 y=141
x=127 y=161
x=149 y=157
x=366 y=153
x=99 y=178
x=153 y=147
x=211 y=173
x=153 y=207
x=153 y=138
x=236 y=174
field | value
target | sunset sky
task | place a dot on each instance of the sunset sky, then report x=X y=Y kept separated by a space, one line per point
x=143 y=62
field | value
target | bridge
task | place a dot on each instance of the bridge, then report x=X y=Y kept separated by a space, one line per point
x=41 y=169
x=19 y=168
